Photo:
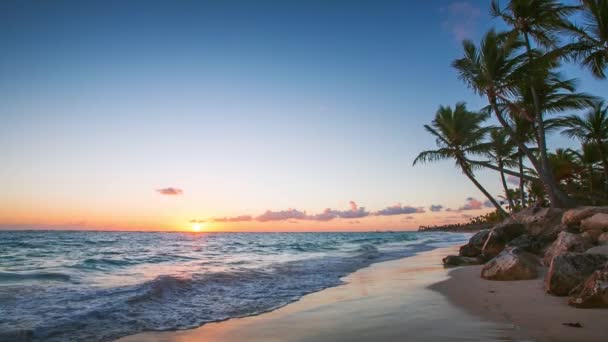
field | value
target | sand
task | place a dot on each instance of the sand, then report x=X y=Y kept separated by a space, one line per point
x=388 y=301
x=523 y=304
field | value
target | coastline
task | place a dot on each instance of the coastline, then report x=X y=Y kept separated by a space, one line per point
x=390 y=300
x=522 y=303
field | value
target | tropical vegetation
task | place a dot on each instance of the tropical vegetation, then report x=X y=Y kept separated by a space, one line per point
x=518 y=72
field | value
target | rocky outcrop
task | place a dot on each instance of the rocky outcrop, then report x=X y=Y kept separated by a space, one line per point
x=499 y=236
x=575 y=216
x=512 y=263
x=527 y=242
x=595 y=222
x=603 y=239
x=598 y=250
x=455 y=260
x=473 y=248
x=570 y=269
x=593 y=292
x=541 y=221
x=593 y=235
x=566 y=242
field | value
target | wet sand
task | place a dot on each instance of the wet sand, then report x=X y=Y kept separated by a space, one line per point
x=388 y=301
x=523 y=304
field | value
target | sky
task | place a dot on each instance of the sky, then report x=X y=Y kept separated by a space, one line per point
x=233 y=115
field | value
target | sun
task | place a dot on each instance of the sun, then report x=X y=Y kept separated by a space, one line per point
x=197 y=227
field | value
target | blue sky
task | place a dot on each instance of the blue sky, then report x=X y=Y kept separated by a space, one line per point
x=245 y=106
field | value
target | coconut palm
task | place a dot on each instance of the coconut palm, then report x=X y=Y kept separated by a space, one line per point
x=587 y=157
x=591 y=128
x=537 y=20
x=495 y=71
x=458 y=133
x=590 y=48
x=501 y=149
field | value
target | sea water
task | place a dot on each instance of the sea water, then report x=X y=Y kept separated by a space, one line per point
x=98 y=286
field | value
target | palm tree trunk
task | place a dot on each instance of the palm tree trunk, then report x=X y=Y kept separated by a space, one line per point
x=522 y=193
x=467 y=172
x=504 y=185
x=556 y=196
x=590 y=170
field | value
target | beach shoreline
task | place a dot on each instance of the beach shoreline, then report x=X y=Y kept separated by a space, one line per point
x=390 y=300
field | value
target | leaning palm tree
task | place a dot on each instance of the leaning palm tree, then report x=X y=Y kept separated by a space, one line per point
x=591 y=128
x=458 y=133
x=590 y=47
x=501 y=149
x=537 y=20
x=495 y=71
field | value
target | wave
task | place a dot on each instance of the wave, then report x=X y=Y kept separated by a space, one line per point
x=14 y=276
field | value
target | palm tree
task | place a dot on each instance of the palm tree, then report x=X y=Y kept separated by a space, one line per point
x=591 y=39
x=495 y=70
x=536 y=19
x=501 y=149
x=587 y=158
x=591 y=128
x=458 y=133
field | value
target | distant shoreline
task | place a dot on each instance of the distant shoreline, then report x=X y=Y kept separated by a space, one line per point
x=457 y=228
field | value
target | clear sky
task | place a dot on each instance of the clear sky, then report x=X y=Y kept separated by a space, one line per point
x=151 y=114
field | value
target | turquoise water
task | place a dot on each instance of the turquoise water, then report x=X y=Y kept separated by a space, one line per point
x=98 y=286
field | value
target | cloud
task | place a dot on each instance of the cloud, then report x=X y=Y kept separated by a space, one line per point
x=488 y=204
x=170 y=191
x=408 y=218
x=461 y=19
x=435 y=207
x=471 y=204
x=242 y=218
x=397 y=209
x=513 y=180
x=282 y=215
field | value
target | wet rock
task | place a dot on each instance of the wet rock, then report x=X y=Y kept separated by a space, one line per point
x=569 y=270
x=499 y=236
x=575 y=216
x=595 y=222
x=513 y=263
x=455 y=260
x=598 y=250
x=473 y=248
x=566 y=242
x=593 y=292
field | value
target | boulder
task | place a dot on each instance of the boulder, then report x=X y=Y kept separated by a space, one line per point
x=569 y=270
x=575 y=216
x=595 y=222
x=455 y=260
x=593 y=292
x=593 y=235
x=499 y=236
x=566 y=242
x=603 y=239
x=473 y=248
x=598 y=250
x=541 y=221
x=527 y=242
x=513 y=263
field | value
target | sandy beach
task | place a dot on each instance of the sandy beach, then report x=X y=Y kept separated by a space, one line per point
x=387 y=301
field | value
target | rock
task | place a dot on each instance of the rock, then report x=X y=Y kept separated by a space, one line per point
x=598 y=250
x=593 y=292
x=593 y=235
x=499 y=236
x=603 y=239
x=455 y=260
x=473 y=248
x=566 y=242
x=570 y=269
x=541 y=221
x=527 y=242
x=575 y=216
x=513 y=263
x=595 y=222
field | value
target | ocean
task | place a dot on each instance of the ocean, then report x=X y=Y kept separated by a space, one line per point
x=99 y=286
